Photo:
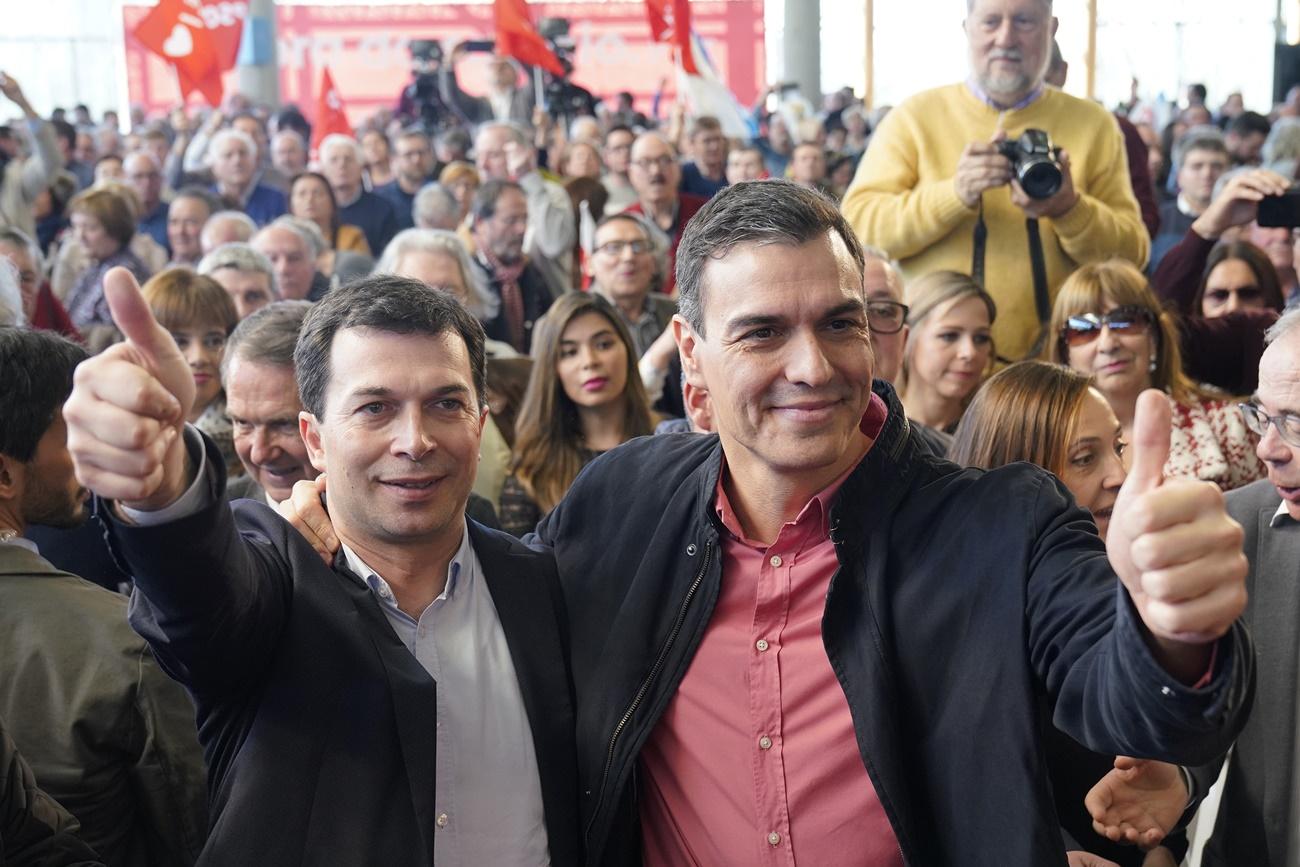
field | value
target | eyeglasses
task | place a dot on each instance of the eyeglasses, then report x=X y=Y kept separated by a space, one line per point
x=1288 y=426
x=1084 y=328
x=886 y=317
x=645 y=164
x=615 y=249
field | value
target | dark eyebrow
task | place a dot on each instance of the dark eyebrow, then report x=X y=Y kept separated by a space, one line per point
x=759 y=320
x=381 y=391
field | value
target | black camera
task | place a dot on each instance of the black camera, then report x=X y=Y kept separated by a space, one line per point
x=1035 y=163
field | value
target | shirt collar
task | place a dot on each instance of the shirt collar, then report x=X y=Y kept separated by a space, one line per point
x=21 y=543
x=818 y=508
x=1281 y=516
x=974 y=87
x=381 y=588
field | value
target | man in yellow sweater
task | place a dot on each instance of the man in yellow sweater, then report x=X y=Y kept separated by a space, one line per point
x=935 y=158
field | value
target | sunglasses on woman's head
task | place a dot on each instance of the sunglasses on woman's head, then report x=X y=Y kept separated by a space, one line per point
x=1083 y=328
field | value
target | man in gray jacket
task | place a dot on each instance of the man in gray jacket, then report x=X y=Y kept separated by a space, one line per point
x=106 y=733
x=1258 y=823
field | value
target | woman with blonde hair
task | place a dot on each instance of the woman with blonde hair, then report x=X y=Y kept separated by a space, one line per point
x=1050 y=415
x=949 y=347
x=584 y=397
x=200 y=316
x=1107 y=324
x=463 y=180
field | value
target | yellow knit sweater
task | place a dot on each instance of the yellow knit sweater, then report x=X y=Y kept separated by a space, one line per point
x=903 y=199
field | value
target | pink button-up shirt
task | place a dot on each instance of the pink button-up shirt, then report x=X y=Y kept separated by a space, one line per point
x=755 y=761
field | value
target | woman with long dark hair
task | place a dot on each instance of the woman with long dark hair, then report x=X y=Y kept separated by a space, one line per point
x=584 y=397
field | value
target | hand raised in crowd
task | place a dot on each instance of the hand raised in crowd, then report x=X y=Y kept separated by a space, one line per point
x=11 y=89
x=520 y=160
x=1238 y=203
x=128 y=406
x=1173 y=545
x=1137 y=802
x=981 y=167
x=305 y=512
x=1057 y=205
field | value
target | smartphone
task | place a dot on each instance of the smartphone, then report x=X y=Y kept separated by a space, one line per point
x=1280 y=211
x=486 y=45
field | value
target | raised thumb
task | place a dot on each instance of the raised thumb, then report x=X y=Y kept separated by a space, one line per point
x=1152 y=423
x=132 y=316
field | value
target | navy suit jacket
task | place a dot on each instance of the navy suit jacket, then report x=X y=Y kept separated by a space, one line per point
x=317 y=724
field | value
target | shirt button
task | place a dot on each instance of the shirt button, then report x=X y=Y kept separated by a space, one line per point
x=761 y=644
x=774 y=838
x=443 y=820
x=775 y=561
x=765 y=743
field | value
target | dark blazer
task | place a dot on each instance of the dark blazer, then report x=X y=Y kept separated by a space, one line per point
x=316 y=721
x=1255 y=815
x=962 y=599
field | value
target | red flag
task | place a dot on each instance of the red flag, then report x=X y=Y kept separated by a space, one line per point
x=330 y=117
x=518 y=38
x=225 y=21
x=175 y=32
x=670 y=21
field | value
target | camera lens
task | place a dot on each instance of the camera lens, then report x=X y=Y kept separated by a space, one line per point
x=1040 y=178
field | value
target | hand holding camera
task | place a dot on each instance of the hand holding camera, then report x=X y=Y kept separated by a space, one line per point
x=1039 y=173
x=1240 y=201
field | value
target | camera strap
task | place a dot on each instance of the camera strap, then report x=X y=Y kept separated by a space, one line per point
x=1037 y=264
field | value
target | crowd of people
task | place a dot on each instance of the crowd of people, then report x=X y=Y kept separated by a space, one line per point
x=888 y=487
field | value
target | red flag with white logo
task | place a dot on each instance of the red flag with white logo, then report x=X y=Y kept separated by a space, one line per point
x=175 y=31
x=518 y=38
x=330 y=116
x=225 y=22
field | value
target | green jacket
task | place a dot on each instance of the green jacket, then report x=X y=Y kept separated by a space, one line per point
x=33 y=829
x=107 y=734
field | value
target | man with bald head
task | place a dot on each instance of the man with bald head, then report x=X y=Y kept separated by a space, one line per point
x=289 y=152
x=934 y=169
x=656 y=176
x=293 y=260
x=503 y=152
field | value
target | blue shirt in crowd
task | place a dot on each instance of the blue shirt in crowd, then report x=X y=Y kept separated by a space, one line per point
x=375 y=216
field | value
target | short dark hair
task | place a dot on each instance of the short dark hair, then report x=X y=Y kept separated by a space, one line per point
x=1250 y=122
x=65 y=131
x=267 y=336
x=484 y=206
x=619 y=127
x=397 y=305
x=761 y=212
x=199 y=194
x=36 y=367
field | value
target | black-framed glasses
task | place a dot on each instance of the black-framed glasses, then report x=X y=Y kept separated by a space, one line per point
x=1084 y=328
x=886 y=317
x=1288 y=426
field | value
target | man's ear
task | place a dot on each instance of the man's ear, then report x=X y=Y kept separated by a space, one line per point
x=688 y=346
x=12 y=474
x=309 y=429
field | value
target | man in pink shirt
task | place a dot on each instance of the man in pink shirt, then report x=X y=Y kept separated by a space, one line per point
x=806 y=641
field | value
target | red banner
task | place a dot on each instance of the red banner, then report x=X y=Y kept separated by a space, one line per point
x=365 y=49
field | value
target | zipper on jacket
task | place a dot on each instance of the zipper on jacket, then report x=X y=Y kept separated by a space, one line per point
x=645 y=684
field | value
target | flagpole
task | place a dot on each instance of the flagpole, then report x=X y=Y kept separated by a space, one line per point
x=539 y=88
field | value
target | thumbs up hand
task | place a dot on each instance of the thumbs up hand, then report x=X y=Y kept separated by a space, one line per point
x=128 y=406
x=1173 y=545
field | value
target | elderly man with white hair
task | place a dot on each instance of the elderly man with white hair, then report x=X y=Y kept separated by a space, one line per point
x=435 y=208
x=504 y=152
x=341 y=162
x=232 y=156
x=226 y=227
x=292 y=248
x=246 y=275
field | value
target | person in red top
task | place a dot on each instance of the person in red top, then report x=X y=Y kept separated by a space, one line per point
x=41 y=308
x=656 y=176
